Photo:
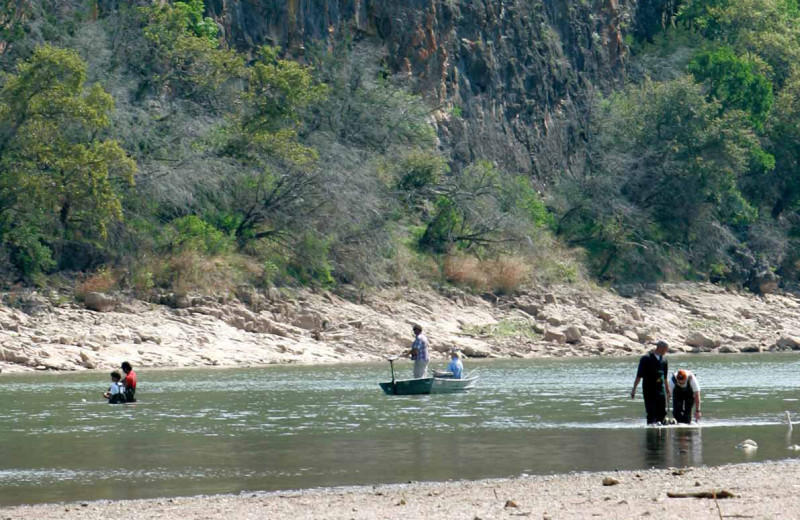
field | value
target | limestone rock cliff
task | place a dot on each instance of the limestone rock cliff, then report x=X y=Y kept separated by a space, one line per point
x=512 y=76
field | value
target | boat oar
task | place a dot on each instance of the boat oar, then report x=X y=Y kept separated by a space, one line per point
x=391 y=360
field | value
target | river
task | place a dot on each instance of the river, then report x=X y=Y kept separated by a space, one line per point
x=289 y=427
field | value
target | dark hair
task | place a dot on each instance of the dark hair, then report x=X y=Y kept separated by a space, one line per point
x=126 y=366
x=115 y=376
x=417 y=327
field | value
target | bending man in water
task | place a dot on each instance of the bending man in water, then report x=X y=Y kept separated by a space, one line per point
x=653 y=372
x=685 y=394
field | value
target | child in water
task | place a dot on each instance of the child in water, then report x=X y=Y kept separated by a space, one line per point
x=115 y=393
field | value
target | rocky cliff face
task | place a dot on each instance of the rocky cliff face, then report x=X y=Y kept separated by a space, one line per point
x=512 y=76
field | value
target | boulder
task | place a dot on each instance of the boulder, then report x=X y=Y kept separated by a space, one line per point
x=752 y=348
x=551 y=299
x=572 y=334
x=605 y=315
x=554 y=335
x=99 y=302
x=700 y=340
x=87 y=361
x=728 y=349
x=475 y=351
x=631 y=335
x=789 y=342
x=764 y=281
x=554 y=320
x=309 y=321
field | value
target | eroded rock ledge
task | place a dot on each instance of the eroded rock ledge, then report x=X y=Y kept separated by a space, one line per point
x=52 y=332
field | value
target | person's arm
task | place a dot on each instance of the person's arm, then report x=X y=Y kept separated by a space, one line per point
x=635 y=384
x=697 y=413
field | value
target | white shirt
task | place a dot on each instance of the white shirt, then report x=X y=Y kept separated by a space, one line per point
x=689 y=377
x=115 y=388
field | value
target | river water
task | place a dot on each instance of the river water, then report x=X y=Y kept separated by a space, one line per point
x=288 y=427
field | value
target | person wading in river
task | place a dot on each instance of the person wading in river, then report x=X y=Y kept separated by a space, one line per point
x=129 y=382
x=653 y=372
x=685 y=394
x=419 y=352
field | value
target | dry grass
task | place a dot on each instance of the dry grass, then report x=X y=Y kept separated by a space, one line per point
x=502 y=275
x=189 y=271
x=102 y=281
x=507 y=274
x=466 y=271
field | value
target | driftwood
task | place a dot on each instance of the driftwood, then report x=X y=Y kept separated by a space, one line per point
x=722 y=493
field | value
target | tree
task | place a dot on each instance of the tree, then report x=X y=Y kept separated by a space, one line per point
x=186 y=54
x=734 y=82
x=275 y=190
x=59 y=180
x=665 y=172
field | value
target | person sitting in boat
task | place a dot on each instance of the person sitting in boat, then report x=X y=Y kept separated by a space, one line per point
x=419 y=352
x=685 y=392
x=116 y=392
x=455 y=366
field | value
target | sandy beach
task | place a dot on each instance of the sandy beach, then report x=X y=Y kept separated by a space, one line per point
x=761 y=490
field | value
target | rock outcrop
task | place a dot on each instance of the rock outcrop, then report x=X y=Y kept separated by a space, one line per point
x=515 y=75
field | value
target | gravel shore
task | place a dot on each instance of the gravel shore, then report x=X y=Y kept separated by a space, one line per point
x=762 y=490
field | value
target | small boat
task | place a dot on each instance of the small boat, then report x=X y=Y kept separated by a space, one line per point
x=418 y=386
x=445 y=383
x=439 y=383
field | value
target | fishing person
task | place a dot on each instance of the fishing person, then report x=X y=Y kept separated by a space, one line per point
x=116 y=392
x=653 y=372
x=419 y=352
x=129 y=383
x=455 y=366
x=685 y=395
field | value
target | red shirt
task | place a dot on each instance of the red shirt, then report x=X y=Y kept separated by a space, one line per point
x=130 y=380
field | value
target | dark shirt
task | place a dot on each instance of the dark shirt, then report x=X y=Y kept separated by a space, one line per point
x=653 y=372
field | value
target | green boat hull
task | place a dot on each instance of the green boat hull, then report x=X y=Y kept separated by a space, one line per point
x=419 y=386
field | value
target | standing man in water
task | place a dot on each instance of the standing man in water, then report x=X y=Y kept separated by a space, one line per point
x=419 y=352
x=685 y=394
x=129 y=382
x=653 y=372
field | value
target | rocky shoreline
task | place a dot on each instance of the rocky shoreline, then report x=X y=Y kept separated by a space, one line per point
x=760 y=490
x=53 y=332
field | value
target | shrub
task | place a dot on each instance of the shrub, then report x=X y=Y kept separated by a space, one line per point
x=102 y=281
x=506 y=274
x=193 y=233
x=465 y=270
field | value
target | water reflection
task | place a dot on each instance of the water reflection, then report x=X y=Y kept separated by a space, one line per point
x=673 y=447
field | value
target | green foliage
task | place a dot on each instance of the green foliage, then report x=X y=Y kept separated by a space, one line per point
x=58 y=179
x=185 y=54
x=309 y=260
x=482 y=206
x=734 y=82
x=419 y=171
x=668 y=166
x=194 y=233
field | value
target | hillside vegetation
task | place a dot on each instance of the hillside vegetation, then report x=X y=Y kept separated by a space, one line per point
x=139 y=150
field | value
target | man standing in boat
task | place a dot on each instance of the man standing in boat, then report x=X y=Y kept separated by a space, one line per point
x=653 y=372
x=685 y=395
x=419 y=352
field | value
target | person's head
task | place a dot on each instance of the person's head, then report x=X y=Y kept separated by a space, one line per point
x=126 y=367
x=662 y=347
x=682 y=377
x=417 y=328
x=116 y=376
x=454 y=354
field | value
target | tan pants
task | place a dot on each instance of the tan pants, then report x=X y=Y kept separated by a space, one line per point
x=420 y=368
